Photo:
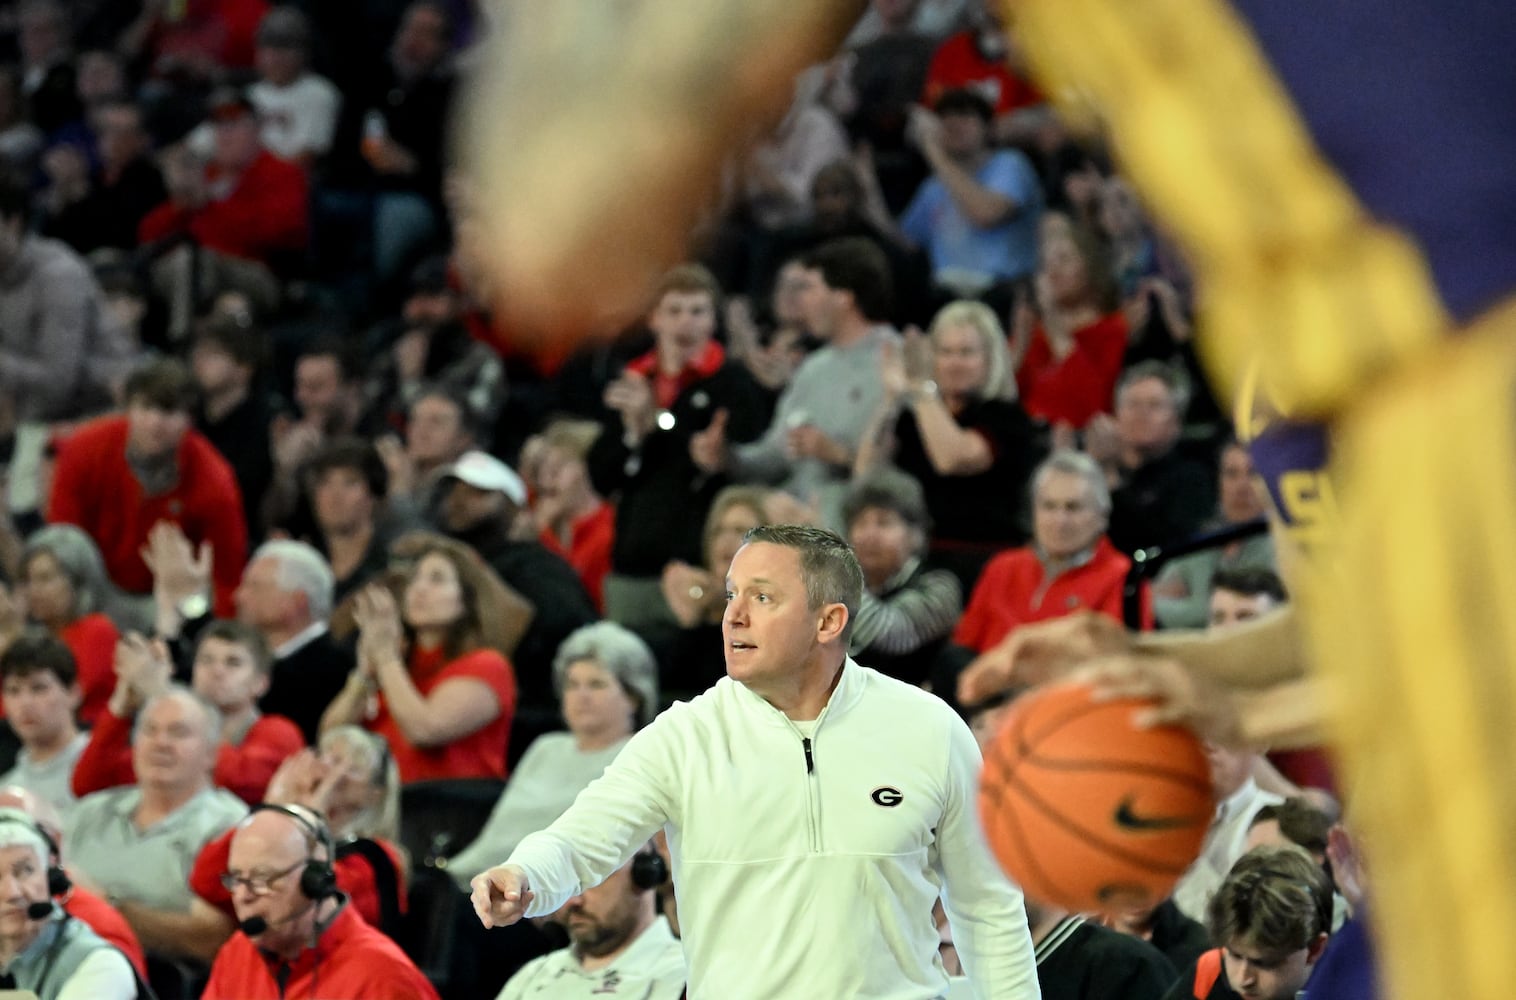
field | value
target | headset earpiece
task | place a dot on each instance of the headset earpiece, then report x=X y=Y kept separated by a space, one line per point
x=318 y=879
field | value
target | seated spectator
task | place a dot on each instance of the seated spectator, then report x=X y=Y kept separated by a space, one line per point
x=102 y=918
x=20 y=141
x=482 y=499
x=428 y=346
x=50 y=954
x=1181 y=592
x=1078 y=959
x=118 y=476
x=907 y=611
x=1273 y=916
x=607 y=684
x=1157 y=494
x=243 y=214
x=1069 y=565
x=982 y=59
x=48 y=77
x=691 y=659
x=576 y=522
x=1238 y=799
x=102 y=206
x=298 y=934
x=136 y=844
x=226 y=358
x=64 y=589
x=887 y=73
x=296 y=108
x=353 y=782
x=618 y=942
x=812 y=440
x=1068 y=350
x=439 y=427
x=231 y=671
x=646 y=461
x=41 y=693
x=976 y=216
x=194 y=42
x=950 y=419
x=347 y=482
x=426 y=679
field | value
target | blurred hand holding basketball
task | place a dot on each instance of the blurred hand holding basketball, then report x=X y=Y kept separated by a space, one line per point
x=1087 y=812
x=1033 y=654
x=1175 y=695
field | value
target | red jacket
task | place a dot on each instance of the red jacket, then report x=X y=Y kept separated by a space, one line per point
x=94 y=488
x=244 y=770
x=1083 y=384
x=107 y=921
x=355 y=876
x=1013 y=590
x=266 y=213
x=591 y=539
x=351 y=960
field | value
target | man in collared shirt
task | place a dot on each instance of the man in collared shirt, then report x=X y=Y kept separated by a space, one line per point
x=619 y=943
x=136 y=844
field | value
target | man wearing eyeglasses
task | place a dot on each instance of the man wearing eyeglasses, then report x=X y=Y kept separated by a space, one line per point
x=297 y=936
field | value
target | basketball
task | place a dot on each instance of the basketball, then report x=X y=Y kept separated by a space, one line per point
x=1086 y=812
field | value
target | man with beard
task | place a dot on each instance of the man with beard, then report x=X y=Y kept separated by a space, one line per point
x=618 y=942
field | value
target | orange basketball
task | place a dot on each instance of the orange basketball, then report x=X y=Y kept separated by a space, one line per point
x=1086 y=812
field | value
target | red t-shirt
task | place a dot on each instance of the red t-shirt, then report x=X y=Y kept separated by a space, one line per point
x=591 y=539
x=480 y=754
x=107 y=921
x=355 y=876
x=92 y=640
x=265 y=214
x=1073 y=390
x=95 y=488
x=1013 y=590
x=244 y=769
x=957 y=63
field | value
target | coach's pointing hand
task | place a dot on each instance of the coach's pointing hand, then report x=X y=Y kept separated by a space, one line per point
x=501 y=895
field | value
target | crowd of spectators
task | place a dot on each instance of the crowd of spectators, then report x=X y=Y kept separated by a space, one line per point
x=288 y=520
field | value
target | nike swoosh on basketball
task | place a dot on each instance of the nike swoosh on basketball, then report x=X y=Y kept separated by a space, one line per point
x=1129 y=820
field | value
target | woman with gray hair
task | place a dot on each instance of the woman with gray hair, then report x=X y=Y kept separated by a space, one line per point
x=607 y=685
x=949 y=417
x=62 y=587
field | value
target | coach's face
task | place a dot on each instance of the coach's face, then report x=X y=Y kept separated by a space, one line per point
x=768 y=628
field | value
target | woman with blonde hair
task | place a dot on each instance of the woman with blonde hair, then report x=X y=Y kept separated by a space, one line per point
x=950 y=419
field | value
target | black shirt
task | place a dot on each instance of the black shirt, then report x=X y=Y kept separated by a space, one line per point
x=1079 y=960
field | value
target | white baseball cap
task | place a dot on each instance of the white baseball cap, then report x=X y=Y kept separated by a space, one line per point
x=486 y=472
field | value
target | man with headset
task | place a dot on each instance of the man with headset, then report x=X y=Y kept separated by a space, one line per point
x=297 y=937
x=42 y=948
x=618 y=942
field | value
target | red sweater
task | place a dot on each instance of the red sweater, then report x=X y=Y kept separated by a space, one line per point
x=107 y=921
x=354 y=876
x=591 y=539
x=94 y=488
x=244 y=770
x=352 y=960
x=92 y=640
x=1083 y=384
x=264 y=214
x=1013 y=590
x=480 y=754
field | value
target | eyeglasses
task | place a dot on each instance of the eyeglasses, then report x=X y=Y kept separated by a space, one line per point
x=258 y=885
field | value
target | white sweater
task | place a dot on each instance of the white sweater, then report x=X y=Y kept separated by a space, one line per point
x=797 y=880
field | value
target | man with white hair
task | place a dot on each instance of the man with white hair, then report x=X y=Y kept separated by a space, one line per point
x=286 y=593
x=42 y=948
x=136 y=844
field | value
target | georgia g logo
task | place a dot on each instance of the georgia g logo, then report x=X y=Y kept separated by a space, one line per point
x=886 y=796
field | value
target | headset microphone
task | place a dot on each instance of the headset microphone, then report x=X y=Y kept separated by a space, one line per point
x=253 y=926
x=39 y=910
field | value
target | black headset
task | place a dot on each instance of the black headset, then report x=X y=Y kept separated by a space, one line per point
x=649 y=870
x=58 y=883
x=318 y=879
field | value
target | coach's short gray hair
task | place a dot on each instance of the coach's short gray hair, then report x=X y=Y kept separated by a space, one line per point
x=827 y=565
